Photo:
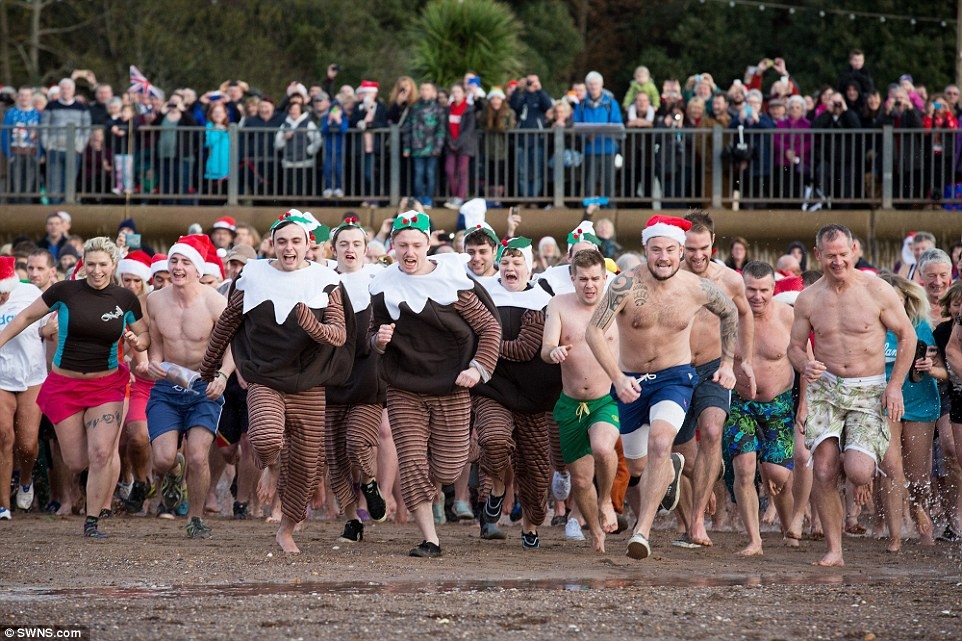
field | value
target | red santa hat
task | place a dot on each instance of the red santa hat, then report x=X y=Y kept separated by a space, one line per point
x=159 y=264
x=194 y=248
x=8 y=274
x=787 y=289
x=225 y=222
x=213 y=264
x=135 y=263
x=367 y=86
x=667 y=226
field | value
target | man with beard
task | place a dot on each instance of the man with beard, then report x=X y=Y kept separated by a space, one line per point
x=710 y=403
x=655 y=306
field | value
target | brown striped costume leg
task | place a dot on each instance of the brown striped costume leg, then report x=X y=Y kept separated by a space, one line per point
x=493 y=425
x=432 y=435
x=335 y=442
x=554 y=441
x=532 y=467
x=303 y=460
x=363 y=425
x=289 y=428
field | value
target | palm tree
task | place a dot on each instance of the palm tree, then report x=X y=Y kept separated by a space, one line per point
x=454 y=36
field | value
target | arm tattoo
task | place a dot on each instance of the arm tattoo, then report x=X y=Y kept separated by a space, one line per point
x=722 y=306
x=605 y=312
x=639 y=294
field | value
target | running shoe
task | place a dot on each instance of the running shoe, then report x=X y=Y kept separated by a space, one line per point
x=90 y=529
x=530 y=540
x=106 y=514
x=172 y=486
x=949 y=535
x=426 y=550
x=196 y=528
x=123 y=489
x=573 y=531
x=164 y=513
x=491 y=513
x=5 y=514
x=491 y=532
x=134 y=503
x=463 y=511
x=438 y=509
x=558 y=520
x=241 y=513
x=561 y=486
x=376 y=507
x=25 y=497
x=670 y=500
x=516 y=512
x=353 y=532
x=638 y=547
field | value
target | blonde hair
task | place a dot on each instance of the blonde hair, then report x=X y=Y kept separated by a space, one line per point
x=916 y=302
x=102 y=244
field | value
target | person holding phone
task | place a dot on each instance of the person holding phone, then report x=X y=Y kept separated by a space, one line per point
x=940 y=145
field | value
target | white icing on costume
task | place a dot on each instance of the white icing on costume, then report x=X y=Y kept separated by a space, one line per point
x=261 y=282
x=358 y=284
x=534 y=298
x=442 y=285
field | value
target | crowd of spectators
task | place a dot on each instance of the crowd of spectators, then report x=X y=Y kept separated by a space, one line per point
x=327 y=140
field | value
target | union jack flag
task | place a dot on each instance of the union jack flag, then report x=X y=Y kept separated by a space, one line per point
x=140 y=84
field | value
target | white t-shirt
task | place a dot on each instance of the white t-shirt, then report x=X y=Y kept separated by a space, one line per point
x=23 y=361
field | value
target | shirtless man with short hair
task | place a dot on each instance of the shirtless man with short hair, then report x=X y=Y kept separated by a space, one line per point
x=847 y=396
x=587 y=437
x=184 y=316
x=760 y=429
x=710 y=402
x=655 y=305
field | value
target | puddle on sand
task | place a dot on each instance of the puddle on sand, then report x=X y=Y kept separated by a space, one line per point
x=411 y=587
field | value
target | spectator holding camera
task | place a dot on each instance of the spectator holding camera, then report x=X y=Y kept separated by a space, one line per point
x=531 y=103
x=835 y=175
x=901 y=114
x=753 y=174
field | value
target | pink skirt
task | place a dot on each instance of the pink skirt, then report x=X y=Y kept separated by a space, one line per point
x=62 y=396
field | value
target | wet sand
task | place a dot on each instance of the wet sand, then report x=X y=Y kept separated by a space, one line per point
x=148 y=581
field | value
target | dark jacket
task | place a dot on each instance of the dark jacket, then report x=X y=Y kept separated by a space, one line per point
x=531 y=107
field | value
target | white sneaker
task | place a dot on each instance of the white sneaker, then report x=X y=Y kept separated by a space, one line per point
x=5 y=514
x=573 y=531
x=25 y=497
x=327 y=193
x=561 y=486
x=339 y=193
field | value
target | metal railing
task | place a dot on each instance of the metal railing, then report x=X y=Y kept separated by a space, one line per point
x=652 y=168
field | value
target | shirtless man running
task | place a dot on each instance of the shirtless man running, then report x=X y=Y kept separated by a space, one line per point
x=655 y=305
x=184 y=316
x=761 y=428
x=847 y=395
x=710 y=402
x=586 y=414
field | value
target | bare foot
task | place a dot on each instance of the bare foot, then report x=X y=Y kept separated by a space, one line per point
x=598 y=543
x=275 y=516
x=66 y=509
x=894 y=546
x=790 y=541
x=770 y=514
x=286 y=541
x=700 y=536
x=751 y=550
x=607 y=517
x=924 y=525
x=267 y=485
x=831 y=560
x=212 y=506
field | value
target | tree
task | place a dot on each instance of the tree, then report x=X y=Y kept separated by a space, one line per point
x=452 y=37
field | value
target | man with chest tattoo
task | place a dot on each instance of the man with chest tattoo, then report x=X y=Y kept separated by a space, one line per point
x=654 y=306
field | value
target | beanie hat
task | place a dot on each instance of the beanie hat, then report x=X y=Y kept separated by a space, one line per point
x=482 y=228
x=412 y=220
x=194 y=248
x=135 y=263
x=520 y=243
x=584 y=231
x=127 y=223
x=305 y=220
x=496 y=92
x=8 y=274
x=667 y=226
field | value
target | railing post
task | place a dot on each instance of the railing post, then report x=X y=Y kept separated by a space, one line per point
x=70 y=165
x=888 y=156
x=233 y=160
x=559 y=166
x=395 y=164
x=716 y=166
